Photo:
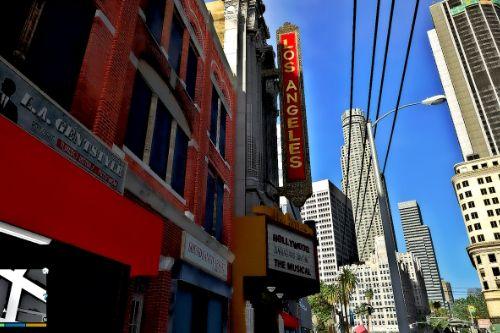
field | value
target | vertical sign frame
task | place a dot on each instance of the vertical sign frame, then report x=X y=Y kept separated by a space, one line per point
x=297 y=185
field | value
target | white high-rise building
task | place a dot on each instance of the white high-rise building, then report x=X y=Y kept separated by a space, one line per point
x=374 y=274
x=332 y=212
x=477 y=186
x=416 y=276
x=419 y=242
x=368 y=224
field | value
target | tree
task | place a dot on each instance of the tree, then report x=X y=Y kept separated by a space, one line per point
x=369 y=309
x=460 y=309
x=323 y=305
x=347 y=281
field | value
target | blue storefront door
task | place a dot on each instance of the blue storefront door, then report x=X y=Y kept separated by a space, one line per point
x=183 y=311
x=214 y=317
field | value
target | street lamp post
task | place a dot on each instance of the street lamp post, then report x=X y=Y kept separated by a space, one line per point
x=385 y=214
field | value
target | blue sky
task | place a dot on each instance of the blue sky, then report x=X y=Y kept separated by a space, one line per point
x=425 y=147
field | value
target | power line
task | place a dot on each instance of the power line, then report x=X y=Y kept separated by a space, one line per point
x=386 y=52
x=405 y=67
x=408 y=49
x=370 y=226
x=351 y=97
x=370 y=88
x=381 y=88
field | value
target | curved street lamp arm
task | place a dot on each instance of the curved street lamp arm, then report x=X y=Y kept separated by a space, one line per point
x=392 y=111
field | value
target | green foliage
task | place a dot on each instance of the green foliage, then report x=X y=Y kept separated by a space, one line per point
x=439 y=323
x=321 y=304
x=460 y=311
x=330 y=296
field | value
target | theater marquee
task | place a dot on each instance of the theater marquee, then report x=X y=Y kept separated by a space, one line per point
x=297 y=185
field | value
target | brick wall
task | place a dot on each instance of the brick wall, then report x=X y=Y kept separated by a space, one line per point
x=102 y=100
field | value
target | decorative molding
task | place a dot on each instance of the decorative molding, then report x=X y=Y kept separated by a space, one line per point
x=107 y=23
x=133 y=59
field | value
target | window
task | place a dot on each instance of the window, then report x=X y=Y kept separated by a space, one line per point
x=465 y=183
x=480 y=238
x=468 y=194
x=484 y=165
x=459 y=186
x=495 y=163
x=471 y=204
x=497 y=211
x=494 y=224
x=478 y=260
x=483 y=191
x=474 y=167
x=490 y=213
x=473 y=240
x=461 y=196
x=492 y=189
x=485 y=285
x=495 y=200
x=477 y=226
x=214 y=205
x=192 y=71
x=218 y=122
x=487 y=202
x=480 y=181
x=138 y=115
x=155 y=13
x=492 y=258
x=166 y=150
x=47 y=42
x=136 y=313
x=474 y=215
x=488 y=179
x=496 y=271
x=497 y=235
x=175 y=46
x=469 y=227
x=464 y=206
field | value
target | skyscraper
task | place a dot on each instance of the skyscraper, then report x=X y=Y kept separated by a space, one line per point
x=334 y=226
x=448 y=292
x=368 y=224
x=466 y=47
x=419 y=242
x=466 y=43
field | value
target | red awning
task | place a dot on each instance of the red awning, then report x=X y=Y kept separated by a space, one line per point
x=360 y=329
x=290 y=321
x=42 y=192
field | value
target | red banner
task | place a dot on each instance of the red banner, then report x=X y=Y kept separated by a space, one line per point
x=293 y=134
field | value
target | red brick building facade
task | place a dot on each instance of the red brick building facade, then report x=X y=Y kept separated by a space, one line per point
x=149 y=79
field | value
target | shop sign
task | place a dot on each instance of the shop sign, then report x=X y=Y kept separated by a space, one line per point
x=290 y=253
x=26 y=105
x=297 y=185
x=196 y=253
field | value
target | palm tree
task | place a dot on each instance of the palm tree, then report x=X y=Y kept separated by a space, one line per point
x=347 y=281
x=332 y=293
x=369 y=297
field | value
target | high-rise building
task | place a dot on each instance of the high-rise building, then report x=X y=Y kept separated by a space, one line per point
x=332 y=212
x=374 y=274
x=416 y=276
x=419 y=242
x=448 y=292
x=477 y=186
x=465 y=43
x=466 y=47
x=368 y=223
